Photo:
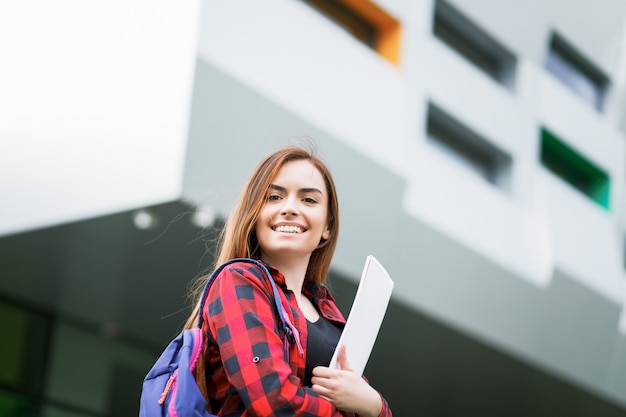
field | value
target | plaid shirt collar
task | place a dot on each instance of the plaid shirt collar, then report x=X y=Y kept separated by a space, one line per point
x=320 y=295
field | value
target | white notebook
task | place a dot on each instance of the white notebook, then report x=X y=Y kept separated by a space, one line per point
x=366 y=316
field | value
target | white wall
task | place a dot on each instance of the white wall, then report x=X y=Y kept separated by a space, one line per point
x=96 y=99
x=379 y=110
x=500 y=265
x=94 y=106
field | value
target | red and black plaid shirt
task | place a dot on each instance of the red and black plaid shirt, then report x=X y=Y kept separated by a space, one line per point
x=248 y=371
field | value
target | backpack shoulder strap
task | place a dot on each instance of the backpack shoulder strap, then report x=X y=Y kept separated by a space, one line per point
x=291 y=332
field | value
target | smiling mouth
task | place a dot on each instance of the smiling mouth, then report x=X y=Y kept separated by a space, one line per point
x=288 y=229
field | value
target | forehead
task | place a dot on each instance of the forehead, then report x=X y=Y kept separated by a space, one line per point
x=301 y=172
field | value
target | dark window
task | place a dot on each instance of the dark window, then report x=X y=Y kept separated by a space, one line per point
x=347 y=19
x=24 y=348
x=569 y=165
x=474 y=44
x=23 y=354
x=576 y=72
x=14 y=404
x=365 y=21
x=468 y=148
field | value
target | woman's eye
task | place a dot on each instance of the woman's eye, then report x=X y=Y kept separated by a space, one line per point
x=273 y=197
x=310 y=200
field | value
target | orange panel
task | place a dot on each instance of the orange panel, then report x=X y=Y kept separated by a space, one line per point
x=388 y=28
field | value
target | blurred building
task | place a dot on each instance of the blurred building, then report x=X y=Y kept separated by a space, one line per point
x=478 y=147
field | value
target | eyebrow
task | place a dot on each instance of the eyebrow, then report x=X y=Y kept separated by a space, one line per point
x=301 y=190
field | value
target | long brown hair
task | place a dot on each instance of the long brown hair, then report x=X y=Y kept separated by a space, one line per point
x=238 y=240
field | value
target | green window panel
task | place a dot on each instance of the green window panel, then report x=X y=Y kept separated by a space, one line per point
x=575 y=169
x=23 y=349
x=14 y=330
x=16 y=405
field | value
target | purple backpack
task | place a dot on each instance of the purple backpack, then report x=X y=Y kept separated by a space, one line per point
x=169 y=388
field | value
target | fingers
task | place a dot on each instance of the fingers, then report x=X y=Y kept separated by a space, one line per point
x=322 y=391
x=322 y=388
x=345 y=389
x=324 y=372
x=342 y=358
x=326 y=382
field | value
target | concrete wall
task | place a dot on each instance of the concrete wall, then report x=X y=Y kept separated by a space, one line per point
x=95 y=104
x=99 y=118
x=537 y=270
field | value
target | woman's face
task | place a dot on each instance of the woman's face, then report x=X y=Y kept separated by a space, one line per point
x=293 y=219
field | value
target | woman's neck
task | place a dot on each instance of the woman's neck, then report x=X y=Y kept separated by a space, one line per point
x=294 y=271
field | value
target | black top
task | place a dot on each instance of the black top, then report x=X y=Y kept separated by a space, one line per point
x=323 y=336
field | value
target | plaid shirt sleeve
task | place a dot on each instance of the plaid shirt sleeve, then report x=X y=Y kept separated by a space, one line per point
x=385 y=411
x=242 y=322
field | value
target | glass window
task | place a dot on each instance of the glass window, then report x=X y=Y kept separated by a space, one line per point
x=365 y=21
x=474 y=44
x=95 y=374
x=51 y=368
x=573 y=168
x=467 y=148
x=575 y=72
x=348 y=20
x=14 y=404
x=23 y=351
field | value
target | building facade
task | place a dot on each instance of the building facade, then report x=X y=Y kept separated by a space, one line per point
x=478 y=150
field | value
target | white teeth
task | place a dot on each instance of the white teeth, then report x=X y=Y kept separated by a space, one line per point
x=288 y=229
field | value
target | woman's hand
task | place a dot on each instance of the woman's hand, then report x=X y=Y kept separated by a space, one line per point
x=345 y=389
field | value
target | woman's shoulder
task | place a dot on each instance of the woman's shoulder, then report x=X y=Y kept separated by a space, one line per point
x=246 y=267
x=244 y=270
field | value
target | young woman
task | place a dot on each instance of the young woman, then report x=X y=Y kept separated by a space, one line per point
x=286 y=217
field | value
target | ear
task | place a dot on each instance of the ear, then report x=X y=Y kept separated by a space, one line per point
x=326 y=233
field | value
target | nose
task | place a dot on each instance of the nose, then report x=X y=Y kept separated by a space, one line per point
x=290 y=206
